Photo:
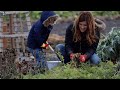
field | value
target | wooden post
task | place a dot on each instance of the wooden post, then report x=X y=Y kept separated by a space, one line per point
x=1 y=44
x=4 y=39
x=11 y=30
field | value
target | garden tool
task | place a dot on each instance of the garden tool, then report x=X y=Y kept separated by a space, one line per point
x=58 y=55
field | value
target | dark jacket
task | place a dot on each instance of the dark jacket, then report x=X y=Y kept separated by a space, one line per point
x=80 y=47
x=39 y=33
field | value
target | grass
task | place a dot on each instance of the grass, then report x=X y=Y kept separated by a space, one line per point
x=85 y=71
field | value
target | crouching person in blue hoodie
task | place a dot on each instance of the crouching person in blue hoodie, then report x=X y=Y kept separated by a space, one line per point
x=38 y=36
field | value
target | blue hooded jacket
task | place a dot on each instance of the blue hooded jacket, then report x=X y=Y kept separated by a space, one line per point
x=39 y=33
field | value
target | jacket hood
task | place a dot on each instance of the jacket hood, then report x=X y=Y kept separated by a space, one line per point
x=47 y=14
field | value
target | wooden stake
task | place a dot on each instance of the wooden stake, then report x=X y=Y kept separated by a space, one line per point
x=11 y=30
x=4 y=39
x=1 y=44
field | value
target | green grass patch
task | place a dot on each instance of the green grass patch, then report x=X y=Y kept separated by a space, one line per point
x=85 y=71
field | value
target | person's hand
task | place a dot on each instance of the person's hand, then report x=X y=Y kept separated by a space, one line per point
x=45 y=46
x=83 y=58
x=71 y=56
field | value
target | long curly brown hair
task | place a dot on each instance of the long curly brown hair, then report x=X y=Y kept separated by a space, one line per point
x=90 y=32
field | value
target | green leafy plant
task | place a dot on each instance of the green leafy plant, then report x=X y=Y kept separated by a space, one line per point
x=109 y=48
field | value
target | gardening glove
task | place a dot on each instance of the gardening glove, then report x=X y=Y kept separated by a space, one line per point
x=45 y=46
x=72 y=56
x=83 y=58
